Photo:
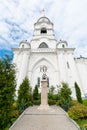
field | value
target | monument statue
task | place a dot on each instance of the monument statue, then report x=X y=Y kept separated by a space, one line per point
x=44 y=70
x=44 y=98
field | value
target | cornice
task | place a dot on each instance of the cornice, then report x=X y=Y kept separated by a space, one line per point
x=21 y=49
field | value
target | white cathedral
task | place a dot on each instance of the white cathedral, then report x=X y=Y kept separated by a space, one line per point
x=56 y=56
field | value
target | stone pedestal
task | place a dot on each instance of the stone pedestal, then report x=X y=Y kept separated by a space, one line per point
x=44 y=97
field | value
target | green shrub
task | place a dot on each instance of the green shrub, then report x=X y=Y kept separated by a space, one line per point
x=83 y=128
x=65 y=96
x=85 y=125
x=30 y=103
x=58 y=102
x=35 y=93
x=24 y=95
x=85 y=102
x=78 y=93
x=74 y=102
x=55 y=97
x=15 y=114
x=51 y=102
x=36 y=102
x=78 y=111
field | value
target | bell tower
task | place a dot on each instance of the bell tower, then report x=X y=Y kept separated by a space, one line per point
x=43 y=30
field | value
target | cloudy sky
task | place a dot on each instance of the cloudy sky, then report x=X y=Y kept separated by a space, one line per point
x=17 y=18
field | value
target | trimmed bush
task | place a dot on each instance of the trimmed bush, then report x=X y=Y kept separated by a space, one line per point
x=78 y=111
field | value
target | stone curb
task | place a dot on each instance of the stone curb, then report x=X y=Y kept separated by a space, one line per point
x=71 y=119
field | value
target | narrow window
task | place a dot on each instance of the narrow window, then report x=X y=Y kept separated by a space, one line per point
x=38 y=81
x=63 y=46
x=47 y=82
x=68 y=65
x=43 y=30
x=22 y=46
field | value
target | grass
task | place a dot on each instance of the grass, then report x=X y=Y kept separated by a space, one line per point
x=82 y=123
x=85 y=102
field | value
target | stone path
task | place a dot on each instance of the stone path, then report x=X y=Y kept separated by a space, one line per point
x=53 y=119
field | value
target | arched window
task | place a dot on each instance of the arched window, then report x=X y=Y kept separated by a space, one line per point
x=22 y=46
x=43 y=45
x=43 y=30
x=63 y=46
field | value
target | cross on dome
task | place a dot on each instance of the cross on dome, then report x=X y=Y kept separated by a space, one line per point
x=43 y=13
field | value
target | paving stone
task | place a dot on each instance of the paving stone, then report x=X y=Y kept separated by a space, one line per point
x=53 y=119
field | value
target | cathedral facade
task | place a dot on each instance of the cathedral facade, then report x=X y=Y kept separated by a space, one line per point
x=44 y=51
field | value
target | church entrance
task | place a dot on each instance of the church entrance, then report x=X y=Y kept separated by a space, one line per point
x=36 y=76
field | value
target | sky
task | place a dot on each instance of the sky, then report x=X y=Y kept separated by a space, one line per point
x=17 y=18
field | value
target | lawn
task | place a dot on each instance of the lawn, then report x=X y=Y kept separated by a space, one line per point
x=85 y=102
x=82 y=123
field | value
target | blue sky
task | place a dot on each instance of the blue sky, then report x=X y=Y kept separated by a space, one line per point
x=17 y=18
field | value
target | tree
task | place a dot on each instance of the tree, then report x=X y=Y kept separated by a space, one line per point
x=7 y=91
x=35 y=93
x=65 y=96
x=24 y=95
x=78 y=93
x=51 y=92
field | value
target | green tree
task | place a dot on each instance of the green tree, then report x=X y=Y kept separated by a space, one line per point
x=24 y=95
x=78 y=93
x=7 y=91
x=51 y=92
x=35 y=93
x=65 y=96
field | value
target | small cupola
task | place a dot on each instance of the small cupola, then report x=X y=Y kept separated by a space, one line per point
x=62 y=44
x=24 y=44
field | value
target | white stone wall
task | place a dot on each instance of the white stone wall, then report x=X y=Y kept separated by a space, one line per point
x=82 y=70
x=39 y=59
x=62 y=67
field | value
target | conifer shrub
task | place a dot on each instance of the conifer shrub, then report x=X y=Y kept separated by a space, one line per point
x=35 y=93
x=78 y=93
x=65 y=96
x=24 y=96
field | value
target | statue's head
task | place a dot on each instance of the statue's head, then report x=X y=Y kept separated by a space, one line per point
x=44 y=76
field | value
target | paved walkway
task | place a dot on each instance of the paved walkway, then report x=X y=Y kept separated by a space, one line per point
x=53 y=119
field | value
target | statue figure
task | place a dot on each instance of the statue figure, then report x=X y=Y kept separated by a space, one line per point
x=44 y=70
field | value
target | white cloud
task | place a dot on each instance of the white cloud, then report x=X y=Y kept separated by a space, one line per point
x=69 y=17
